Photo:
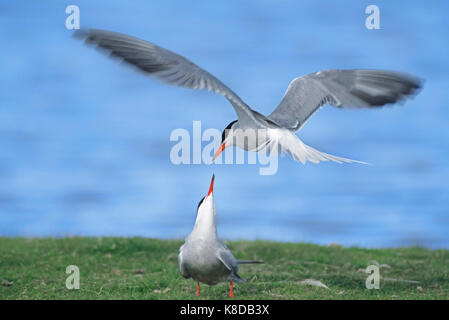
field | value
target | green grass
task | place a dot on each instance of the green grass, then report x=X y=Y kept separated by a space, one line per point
x=139 y=268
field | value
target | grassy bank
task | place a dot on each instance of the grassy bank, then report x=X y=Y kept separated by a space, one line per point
x=139 y=268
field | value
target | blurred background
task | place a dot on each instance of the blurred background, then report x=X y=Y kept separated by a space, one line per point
x=84 y=141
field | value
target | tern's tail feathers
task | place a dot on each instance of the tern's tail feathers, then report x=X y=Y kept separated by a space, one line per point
x=289 y=143
x=249 y=262
x=316 y=156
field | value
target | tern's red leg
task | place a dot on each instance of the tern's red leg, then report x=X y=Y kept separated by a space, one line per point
x=231 y=293
x=198 y=289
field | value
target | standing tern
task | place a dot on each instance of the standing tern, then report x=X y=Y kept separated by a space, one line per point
x=203 y=256
x=356 y=88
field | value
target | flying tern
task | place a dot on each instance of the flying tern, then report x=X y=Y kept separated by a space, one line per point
x=252 y=131
x=203 y=256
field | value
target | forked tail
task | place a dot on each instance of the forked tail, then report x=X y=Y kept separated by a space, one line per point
x=288 y=142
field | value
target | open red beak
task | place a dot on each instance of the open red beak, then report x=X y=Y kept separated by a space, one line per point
x=211 y=188
x=220 y=150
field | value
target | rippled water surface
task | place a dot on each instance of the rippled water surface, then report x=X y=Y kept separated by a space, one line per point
x=85 y=142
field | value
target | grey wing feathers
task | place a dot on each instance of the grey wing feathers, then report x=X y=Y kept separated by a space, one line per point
x=167 y=66
x=226 y=257
x=341 y=88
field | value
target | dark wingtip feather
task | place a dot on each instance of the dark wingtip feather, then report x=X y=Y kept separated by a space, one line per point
x=236 y=278
x=82 y=34
x=399 y=87
x=98 y=39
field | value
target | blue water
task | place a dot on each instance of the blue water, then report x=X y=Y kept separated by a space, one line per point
x=85 y=141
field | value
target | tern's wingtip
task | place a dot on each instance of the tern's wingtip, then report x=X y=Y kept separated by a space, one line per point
x=81 y=33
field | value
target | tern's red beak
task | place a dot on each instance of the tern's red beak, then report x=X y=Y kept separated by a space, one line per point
x=220 y=150
x=211 y=188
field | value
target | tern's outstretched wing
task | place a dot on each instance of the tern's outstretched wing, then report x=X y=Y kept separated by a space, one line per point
x=167 y=66
x=343 y=89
